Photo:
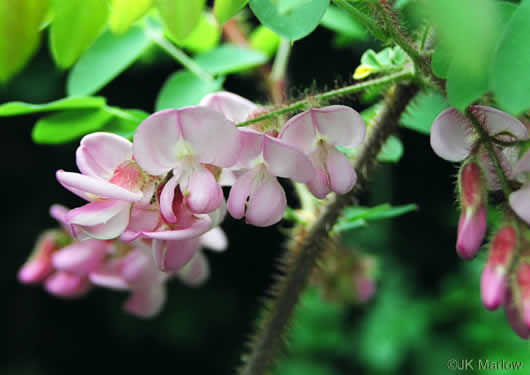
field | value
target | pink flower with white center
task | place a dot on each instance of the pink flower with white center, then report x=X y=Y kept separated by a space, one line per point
x=264 y=158
x=188 y=142
x=317 y=132
x=453 y=138
x=494 y=275
x=473 y=220
x=520 y=199
x=111 y=180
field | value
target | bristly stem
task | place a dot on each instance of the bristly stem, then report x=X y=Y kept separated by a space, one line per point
x=305 y=254
x=343 y=91
x=187 y=62
x=485 y=140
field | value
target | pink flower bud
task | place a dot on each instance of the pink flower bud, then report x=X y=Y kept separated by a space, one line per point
x=514 y=318
x=365 y=287
x=522 y=279
x=493 y=282
x=473 y=220
x=39 y=264
x=67 y=285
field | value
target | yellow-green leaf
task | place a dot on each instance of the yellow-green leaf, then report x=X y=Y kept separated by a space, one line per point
x=76 y=25
x=20 y=22
x=265 y=40
x=180 y=17
x=226 y=9
x=125 y=12
x=204 y=37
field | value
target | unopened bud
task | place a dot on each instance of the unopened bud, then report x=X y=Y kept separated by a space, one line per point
x=67 y=285
x=39 y=265
x=493 y=282
x=522 y=282
x=514 y=317
x=473 y=220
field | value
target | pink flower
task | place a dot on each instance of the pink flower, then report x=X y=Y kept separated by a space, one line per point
x=316 y=132
x=188 y=142
x=473 y=220
x=520 y=199
x=453 y=138
x=493 y=282
x=232 y=106
x=111 y=180
x=67 y=285
x=514 y=317
x=262 y=159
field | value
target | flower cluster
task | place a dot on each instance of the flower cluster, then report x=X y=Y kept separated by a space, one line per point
x=68 y=268
x=163 y=191
x=506 y=275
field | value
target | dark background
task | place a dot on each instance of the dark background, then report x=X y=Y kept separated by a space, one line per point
x=203 y=331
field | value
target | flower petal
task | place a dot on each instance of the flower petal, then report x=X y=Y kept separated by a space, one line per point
x=340 y=125
x=139 y=269
x=523 y=165
x=240 y=192
x=450 y=135
x=342 y=176
x=204 y=194
x=319 y=184
x=109 y=275
x=497 y=122
x=251 y=149
x=58 y=212
x=196 y=272
x=96 y=186
x=143 y=219
x=520 y=202
x=100 y=154
x=214 y=139
x=67 y=285
x=215 y=239
x=171 y=256
x=300 y=132
x=266 y=205
x=166 y=200
x=283 y=160
x=155 y=142
x=234 y=107
x=102 y=220
x=197 y=228
x=80 y=258
x=146 y=302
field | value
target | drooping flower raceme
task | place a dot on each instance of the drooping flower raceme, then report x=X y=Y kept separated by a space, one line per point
x=69 y=268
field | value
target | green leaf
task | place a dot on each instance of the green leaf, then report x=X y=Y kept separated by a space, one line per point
x=76 y=25
x=65 y=126
x=229 y=58
x=370 y=58
x=20 y=22
x=340 y=21
x=392 y=150
x=264 y=40
x=422 y=110
x=124 y=125
x=226 y=9
x=105 y=59
x=357 y=216
x=125 y=12
x=204 y=37
x=464 y=87
x=510 y=79
x=21 y=108
x=441 y=60
x=294 y=23
x=180 y=16
x=184 y=88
